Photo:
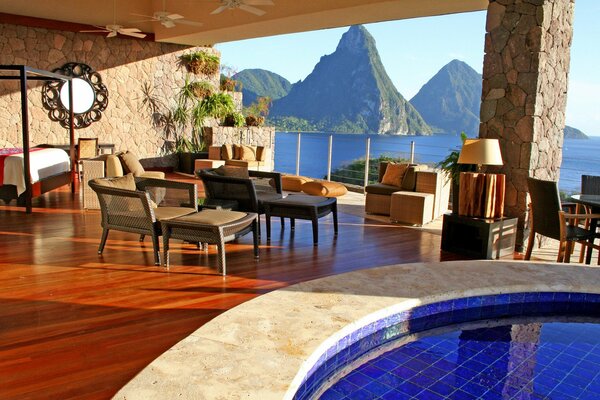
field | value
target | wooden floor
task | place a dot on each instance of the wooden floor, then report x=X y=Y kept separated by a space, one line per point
x=77 y=325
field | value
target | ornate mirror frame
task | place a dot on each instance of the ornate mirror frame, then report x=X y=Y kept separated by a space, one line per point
x=90 y=96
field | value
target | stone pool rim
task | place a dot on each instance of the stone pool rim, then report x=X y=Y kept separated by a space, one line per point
x=264 y=348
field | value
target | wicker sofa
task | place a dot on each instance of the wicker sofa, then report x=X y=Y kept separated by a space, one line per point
x=257 y=158
x=422 y=197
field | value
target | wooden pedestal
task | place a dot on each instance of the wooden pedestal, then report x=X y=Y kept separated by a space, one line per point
x=481 y=195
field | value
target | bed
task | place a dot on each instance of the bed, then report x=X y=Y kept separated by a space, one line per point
x=28 y=173
x=48 y=169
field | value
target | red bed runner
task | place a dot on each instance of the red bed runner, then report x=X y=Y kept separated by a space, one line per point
x=6 y=153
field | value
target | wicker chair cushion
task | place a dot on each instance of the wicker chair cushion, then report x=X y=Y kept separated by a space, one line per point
x=227 y=152
x=379 y=188
x=123 y=182
x=153 y=174
x=260 y=153
x=131 y=164
x=237 y=149
x=248 y=153
x=162 y=213
x=394 y=173
x=324 y=188
x=213 y=217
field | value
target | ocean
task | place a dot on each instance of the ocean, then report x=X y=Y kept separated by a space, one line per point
x=580 y=157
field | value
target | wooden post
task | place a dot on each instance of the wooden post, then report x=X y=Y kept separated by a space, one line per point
x=481 y=195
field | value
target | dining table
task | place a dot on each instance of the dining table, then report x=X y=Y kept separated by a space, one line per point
x=592 y=201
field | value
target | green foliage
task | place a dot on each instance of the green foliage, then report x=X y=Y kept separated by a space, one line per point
x=290 y=123
x=229 y=84
x=354 y=172
x=234 y=119
x=261 y=83
x=200 y=89
x=201 y=62
x=450 y=164
x=260 y=108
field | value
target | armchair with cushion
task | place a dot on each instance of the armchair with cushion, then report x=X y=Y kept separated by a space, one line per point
x=248 y=188
x=257 y=158
x=128 y=204
x=123 y=163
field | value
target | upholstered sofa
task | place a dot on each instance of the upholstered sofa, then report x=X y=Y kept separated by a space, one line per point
x=257 y=158
x=419 y=198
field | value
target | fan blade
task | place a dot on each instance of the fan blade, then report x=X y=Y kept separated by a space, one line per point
x=98 y=30
x=145 y=16
x=259 y=2
x=252 y=10
x=190 y=23
x=129 y=30
x=174 y=16
x=111 y=34
x=167 y=23
x=134 y=34
x=220 y=9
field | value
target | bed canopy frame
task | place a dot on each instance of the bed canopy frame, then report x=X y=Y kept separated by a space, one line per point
x=23 y=74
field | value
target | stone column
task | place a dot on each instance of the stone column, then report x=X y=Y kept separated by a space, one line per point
x=524 y=95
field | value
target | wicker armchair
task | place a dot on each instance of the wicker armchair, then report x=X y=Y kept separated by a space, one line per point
x=141 y=210
x=248 y=193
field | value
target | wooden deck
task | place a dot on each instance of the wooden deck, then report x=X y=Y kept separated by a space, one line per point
x=77 y=325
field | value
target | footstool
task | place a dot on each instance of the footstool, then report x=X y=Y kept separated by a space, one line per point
x=301 y=206
x=293 y=183
x=211 y=227
x=411 y=207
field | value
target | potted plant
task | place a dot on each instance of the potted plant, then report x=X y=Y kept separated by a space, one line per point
x=258 y=111
x=234 y=119
x=229 y=84
x=453 y=169
x=201 y=62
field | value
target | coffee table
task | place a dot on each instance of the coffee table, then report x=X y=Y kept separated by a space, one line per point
x=300 y=206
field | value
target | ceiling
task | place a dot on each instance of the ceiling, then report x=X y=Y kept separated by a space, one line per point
x=285 y=16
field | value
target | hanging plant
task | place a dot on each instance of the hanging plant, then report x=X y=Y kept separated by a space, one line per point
x=252 y=120
x=202 y=89
x=201 y=62
x=234 y=119
x=229 y=84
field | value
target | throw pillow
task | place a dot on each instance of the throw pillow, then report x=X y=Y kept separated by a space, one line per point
x=260 y=153
x=248 y=153
x=123 y=182
x=227 y=152
x=131 y=164
x=233 y=172
x=237 y=149
x=409 y=182
x=394 y=173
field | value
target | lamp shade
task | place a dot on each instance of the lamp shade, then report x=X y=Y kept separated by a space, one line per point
x=481 y=152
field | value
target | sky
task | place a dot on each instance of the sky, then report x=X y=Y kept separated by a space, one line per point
x=414 y=50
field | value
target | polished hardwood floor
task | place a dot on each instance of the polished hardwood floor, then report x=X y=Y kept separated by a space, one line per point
x=76 y=325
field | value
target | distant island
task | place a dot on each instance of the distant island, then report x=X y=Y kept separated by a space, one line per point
x=349 y=91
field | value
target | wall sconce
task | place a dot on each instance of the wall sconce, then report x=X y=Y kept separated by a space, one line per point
x=481 y=195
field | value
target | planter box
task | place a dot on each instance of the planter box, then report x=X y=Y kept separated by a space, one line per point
x=186 y=161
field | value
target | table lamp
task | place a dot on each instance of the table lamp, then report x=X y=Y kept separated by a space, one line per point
x=481 y=195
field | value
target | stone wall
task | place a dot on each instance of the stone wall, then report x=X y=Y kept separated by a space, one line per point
x=525 y=75
x=124 y=64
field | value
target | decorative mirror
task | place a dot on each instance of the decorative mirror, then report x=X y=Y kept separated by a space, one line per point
x=90 y=96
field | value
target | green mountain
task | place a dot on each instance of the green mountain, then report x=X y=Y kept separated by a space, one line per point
x=261 y=83
x=349 y=91
x=574 y=133
x=449 y=102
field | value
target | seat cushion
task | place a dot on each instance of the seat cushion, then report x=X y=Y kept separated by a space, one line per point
x=131 y=164
x=162 y=213
x=394 y=173
x=293 y=183
x=324 y=188
x=213 y=217
x=122 y=182
x=248 y=153
x=153 y=174
x=380 y=188
x=226 y=152
x=232 y=171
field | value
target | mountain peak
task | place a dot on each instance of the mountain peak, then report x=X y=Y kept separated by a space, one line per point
x=356 y=39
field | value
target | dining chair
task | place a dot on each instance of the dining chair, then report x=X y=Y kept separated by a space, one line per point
x=547 y=218
x=590 y=184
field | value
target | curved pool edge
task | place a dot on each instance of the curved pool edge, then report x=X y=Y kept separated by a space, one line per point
x=263 y=348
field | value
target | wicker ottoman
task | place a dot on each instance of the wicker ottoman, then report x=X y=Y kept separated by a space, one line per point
x=210 y=227
x=91 y=169
x=411 y=207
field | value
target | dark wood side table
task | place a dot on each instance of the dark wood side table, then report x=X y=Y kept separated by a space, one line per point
x=479 y=237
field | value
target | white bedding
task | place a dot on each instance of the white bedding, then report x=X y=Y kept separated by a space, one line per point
x=43 y=164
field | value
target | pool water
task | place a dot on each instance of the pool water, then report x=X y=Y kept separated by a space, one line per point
x=540 y=360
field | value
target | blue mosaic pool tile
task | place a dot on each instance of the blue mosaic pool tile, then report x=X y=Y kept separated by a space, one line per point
x=377 y=388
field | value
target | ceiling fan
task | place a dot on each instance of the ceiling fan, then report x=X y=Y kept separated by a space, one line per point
x=114 y=29
x=167 y=19
x=246 y=5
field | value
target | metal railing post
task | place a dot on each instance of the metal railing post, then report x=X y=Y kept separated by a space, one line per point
x=412 y=151
x=329 y=157
x=298 y=155
x=367 y=152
